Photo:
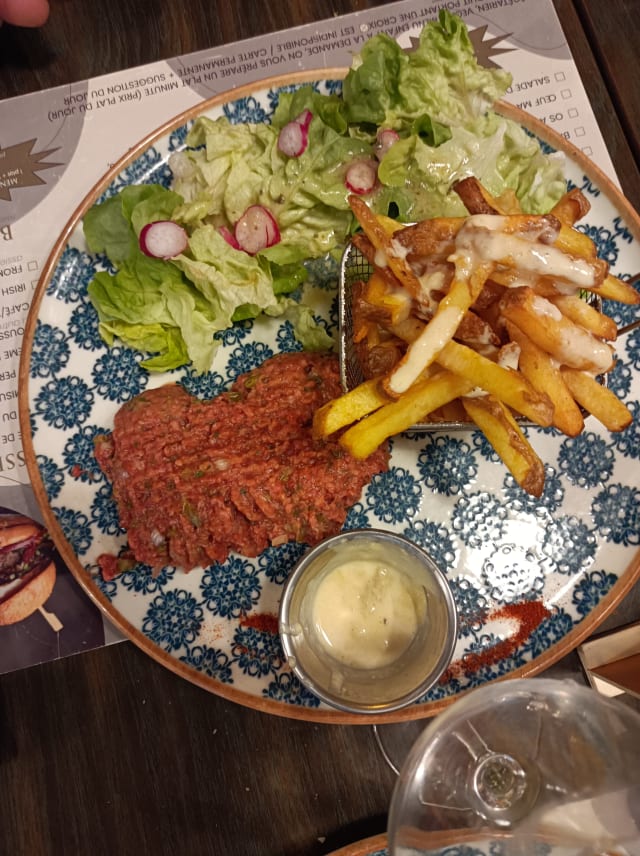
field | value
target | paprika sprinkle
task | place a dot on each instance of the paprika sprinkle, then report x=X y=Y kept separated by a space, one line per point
x=264 y=622
x=526 y=615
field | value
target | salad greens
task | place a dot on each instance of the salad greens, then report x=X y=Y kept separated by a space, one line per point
x=172 y=308
x=436 y=97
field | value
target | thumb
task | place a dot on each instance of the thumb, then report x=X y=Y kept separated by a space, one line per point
x=24 y=13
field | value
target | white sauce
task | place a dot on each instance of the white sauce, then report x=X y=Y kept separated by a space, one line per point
x=542 y=306
x=430 y=282
x=577 y=347
x=509 y=356
x=582 y=350
x=491 y=222
x=365 y=613
x=399 y=250
x=425 y=348
x=380 y=259
x=476 y=392
x=479 y=237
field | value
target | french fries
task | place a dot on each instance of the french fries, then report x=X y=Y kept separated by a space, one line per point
x=355 y=404
x=598 y=400
x=481 y=319
x=582 y=313
x=543 y=373
x=573 y=206
x=365 y=436
x=509 y=385
x=544 y=324
x=463 y=291
x=618 y=289
x=378 y=233
x=500 y=428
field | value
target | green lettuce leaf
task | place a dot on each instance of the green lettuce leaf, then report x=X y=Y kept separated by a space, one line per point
x=150 y=306
x=226 y=174
x=440 y=79
x=240 y=165
x=440 y=100
x=225 y=277
x=112 y=227
x=497 y=151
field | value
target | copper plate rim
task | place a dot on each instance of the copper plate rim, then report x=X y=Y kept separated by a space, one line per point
x=365 y=847
x=627 y=578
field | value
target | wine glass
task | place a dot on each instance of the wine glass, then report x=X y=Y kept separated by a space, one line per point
x=524 y=766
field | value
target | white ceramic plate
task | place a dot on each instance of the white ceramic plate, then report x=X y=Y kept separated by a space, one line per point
x=575 y=549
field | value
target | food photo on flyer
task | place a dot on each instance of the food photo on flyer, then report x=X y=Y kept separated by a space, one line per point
x=44 y=614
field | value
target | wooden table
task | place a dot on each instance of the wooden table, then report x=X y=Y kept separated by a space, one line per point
x=106 y=752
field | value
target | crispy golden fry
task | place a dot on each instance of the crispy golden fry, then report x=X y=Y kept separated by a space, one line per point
x=512 y=278
x=529 y=247
x=575 y=243
x=477 y=199
x=508 y=385
x=353 y=405
x=545 y=325
x=362 y=243
x=442 y=327
x=433 y=239
x=543 y=374
x=383 y=241
x=609 y=288
x=489 y=295
x=508 y=202
x=476 y=332
x=366 y=248
x=520 y=261
x=542 y=227
x=390 y=225
x=365 y=436
x=580 y=312
x=502 y=431
x=617 y=289
x=573 y=206
x=598 y=400
x=393 y=304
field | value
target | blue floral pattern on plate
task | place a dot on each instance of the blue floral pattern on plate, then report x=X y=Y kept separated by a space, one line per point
x=571 y=548
x=482 y=847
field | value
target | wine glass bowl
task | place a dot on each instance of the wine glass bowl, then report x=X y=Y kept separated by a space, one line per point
x=519 y=766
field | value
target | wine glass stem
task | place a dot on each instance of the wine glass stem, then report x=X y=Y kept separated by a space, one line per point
x=501 y=789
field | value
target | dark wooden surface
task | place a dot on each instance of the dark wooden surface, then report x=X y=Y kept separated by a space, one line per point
x=106 y=752
x=614 y=38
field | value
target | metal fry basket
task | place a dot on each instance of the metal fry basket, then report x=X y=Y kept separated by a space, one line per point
x=354 y=267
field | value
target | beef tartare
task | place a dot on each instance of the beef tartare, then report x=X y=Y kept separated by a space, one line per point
x=195 y=480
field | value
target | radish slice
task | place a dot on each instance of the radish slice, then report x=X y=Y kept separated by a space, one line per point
x=256 y=230
x=229 y=237
x=163 y=239
x=385 y=138
x=294 y=137
x=305 y=118
x=361 y=176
